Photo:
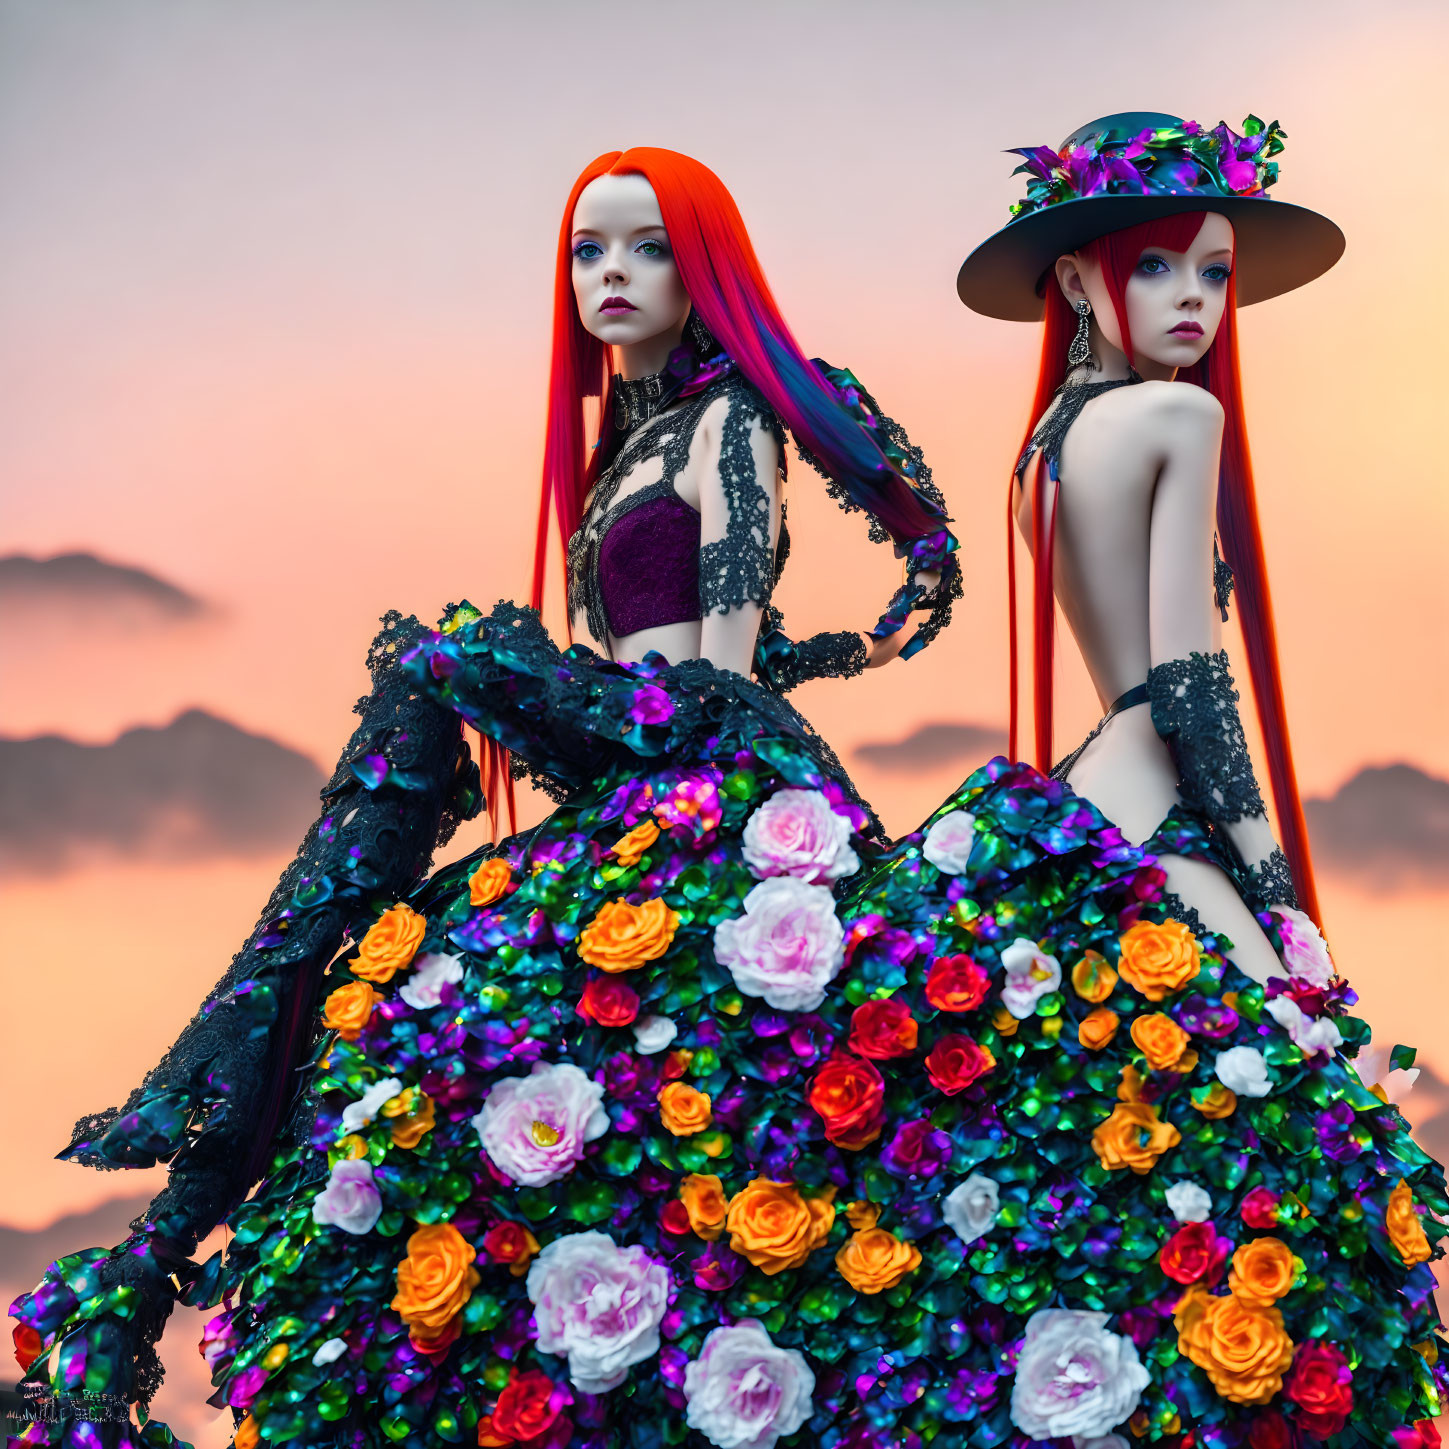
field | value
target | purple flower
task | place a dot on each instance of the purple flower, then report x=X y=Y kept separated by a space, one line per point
x=917 y=1150
x=717 y=1269
x=651 y=705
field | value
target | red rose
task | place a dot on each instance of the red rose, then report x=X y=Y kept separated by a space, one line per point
x=957 y=1061
x=1272 y=1431
x=883 y=1029
x=956 y=983
x=511 y=1243
x=848 y=1094
x=1260 y=1209
x=1194 y=1254
x=529 y=1407
x=609 y=1001
x=674 y=1217
x=1321 y=1384
x=28 y=1345
x=439 y=1343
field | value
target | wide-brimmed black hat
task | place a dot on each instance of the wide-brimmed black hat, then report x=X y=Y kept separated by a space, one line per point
x=1130 y=168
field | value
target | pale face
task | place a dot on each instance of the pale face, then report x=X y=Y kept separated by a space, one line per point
x=626 y=285
x=1175 y=300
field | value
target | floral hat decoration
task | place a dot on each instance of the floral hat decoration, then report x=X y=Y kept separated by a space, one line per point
x=1124 y=169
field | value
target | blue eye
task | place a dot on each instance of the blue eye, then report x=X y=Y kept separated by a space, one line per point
x=1218 y=272
x=587 y=251
x=650 y=247
x=1152 y=266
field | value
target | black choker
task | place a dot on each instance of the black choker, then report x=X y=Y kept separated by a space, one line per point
x=638 y=399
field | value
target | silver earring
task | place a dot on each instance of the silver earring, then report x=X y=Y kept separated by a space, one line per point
x=699 y=335
x=1079 y=352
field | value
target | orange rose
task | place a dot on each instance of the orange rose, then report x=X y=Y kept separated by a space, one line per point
x=1133 y=1136
x=351 y=1146
x=862 y=1215
x=247 y=1435
x=702 y=1194
x=771 y=1225
x=1158 y=959
x=1129 y=1089
x=684 y=1110
x=1004 y=1022
x=390 y=944
x=1160 y=1039
x=1215 y=1101
x=488 y=882
x=349 y=1009
x=1092 y=978
x=622 y=937
x=436 y=1278
x=1243 y=1350
x=1406 y=1232
x=1097 y=1029
x=1263 y=1271
x=629 y=849
x=409 y=1130
x=874 y=1260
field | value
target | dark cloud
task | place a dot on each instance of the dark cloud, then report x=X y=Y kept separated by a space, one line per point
x=932 y=746
x=1389 y=823
x=195 y=788
x=70 y=582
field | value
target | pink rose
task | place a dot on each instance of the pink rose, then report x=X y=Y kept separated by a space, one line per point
x=948 y=842
x=1305 y=952
x=1030 y=975
x=598 y=1303
x=788 y=945
x=745 y=1393
x=535 y=1127
x=423 y=989
x=1074 y=1376
x=795 y=832
x=350 y=1200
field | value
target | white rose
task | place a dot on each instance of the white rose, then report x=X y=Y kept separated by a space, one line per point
x=971 y=1207
x=795 y=832
x=330 y=1351
x=788 y=945
x=1189 y=1203
x=948 y=842
x=1305 y=952
x=1310 y=1033
x=653 y=1033
x=357 y=1115
x=1073 y=1376
x=350 y=1200
x=424 y=987
x=744 y=1392
x=1030 y=975
x=1242 y=1069
x=535 y=1127
x=598 y=1303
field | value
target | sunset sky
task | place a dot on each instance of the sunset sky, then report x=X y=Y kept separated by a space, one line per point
x=274 y=310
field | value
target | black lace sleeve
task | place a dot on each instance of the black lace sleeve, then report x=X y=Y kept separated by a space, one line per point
x=739 y=568
x=214 y=1104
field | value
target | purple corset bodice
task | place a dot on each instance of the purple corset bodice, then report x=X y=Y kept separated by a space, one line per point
x=649 y=566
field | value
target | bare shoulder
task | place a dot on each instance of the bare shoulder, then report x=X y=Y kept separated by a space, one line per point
x=1144 y=425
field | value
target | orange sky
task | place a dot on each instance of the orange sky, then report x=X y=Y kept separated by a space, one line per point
x=273 y=319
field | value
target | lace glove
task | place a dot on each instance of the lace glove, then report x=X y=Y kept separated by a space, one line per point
x=1195 y=710
x=214 y=1104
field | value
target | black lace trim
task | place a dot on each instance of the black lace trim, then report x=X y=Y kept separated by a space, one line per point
x=1066 y=407
x=1178 y=909
x=1270 y=883
x=1222 y=581
x=739 y=568
x=784 y=664
x=1195 y=710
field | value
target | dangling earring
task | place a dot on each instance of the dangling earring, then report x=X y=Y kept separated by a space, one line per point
x=1079 y=352
x=699 y=335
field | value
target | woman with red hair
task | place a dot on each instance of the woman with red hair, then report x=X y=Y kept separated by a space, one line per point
x=1179 y=1208
x=493 y=1146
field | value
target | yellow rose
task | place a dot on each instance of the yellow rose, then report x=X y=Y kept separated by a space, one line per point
x=629 y=849
x=1406 y=1232
x=1160 y=1039
x=392 y=942
x=1092 y=978
x=353 y=1146
x=436 y=1278
x=1133 y=1136
x=1097 y=1029
x=1157 y=959
x=772 y=1226
x=488 y=882
x=409 y=1130
x=1263 y=1271
x=622 y=937
x=348 y=1009
x=1243 y=1350
x=874 y=1260
x=1004 y=1022
x=702 y=1194
x=684 y=1110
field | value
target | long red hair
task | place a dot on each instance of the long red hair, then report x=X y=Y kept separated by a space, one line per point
x=1237 y=516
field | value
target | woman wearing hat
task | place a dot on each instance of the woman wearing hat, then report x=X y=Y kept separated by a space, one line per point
x=1169 y=1204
